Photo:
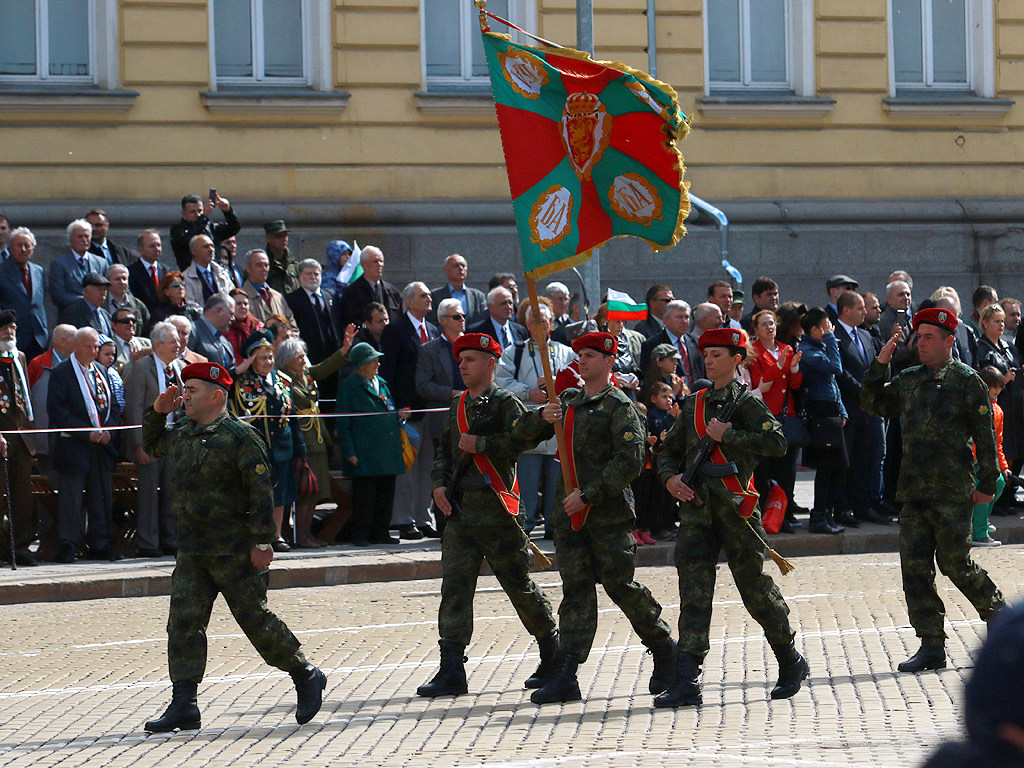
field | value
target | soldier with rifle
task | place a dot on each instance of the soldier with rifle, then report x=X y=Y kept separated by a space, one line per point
x=706 y=462
x=475 y=487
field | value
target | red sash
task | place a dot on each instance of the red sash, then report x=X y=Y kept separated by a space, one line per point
x=579 y=519
x=509 y=499
x=731 y=482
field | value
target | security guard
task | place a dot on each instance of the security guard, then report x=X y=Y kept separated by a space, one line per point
x=485 y=525
x=714 y=515
x=943 y=405
x=604 y=447
x=224 y=509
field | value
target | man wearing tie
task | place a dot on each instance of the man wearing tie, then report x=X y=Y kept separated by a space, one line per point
x=144 y=275
x=498 y=324
x=100 y=245
x=675 y=321
x=264 y=301
x=88 y=310
x=22 y=289
x=865 y=438
x=205 y=277
x=207 y=338
x=312 y=307
x=68 y=269
x=369 y=286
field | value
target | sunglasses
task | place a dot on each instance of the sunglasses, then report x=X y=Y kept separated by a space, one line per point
x=176 y=285
x=456 y=317
x=125 y=320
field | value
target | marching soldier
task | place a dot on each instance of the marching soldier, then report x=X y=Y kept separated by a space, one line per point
x=714 y=515
x=604 y=446
x=943 y=405
x=485 y=524
x=224 y=508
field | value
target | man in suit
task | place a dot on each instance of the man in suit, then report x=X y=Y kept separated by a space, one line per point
x=22 y=288
x=88 y=310
x=100 y=245
x=61 y=347
x=705 y=317
x=872 y=314
x=227 y=252
x=144 y=275
x=120 y=297
x=473 y=302
x=68 y=269
x=720 y=294
x=657 y=298
x=5 y=233
x=207 y=338
x=80 y=396
x=205 y=277
x=498 y=324
x=264 y=301
x=558 y=293
x=158 y=533
x=836 y=286
x=128 y=347
x=184 y=328
x=765 y=295
x=377 y=319
x=690 y=364
x=313 y=309
x=401 y=342
x=438 y=378
x=195 y=220
x=864 y=433
x=16 y=413
x=370 y=286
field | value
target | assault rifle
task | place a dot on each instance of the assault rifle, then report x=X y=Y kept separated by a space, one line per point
x=700 y=464
x=453 y=491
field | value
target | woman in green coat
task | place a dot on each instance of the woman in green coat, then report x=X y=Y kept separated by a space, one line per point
x=370 y=445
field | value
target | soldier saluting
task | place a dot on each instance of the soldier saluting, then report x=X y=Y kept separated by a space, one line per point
x=224 y=506
x=604 y=447
x=714 y=515
x=485 y=524
x=943 y=405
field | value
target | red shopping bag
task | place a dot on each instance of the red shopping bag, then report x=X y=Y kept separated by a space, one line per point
x=775 y=509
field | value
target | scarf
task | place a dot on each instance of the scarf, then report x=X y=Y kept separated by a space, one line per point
x=87 y=396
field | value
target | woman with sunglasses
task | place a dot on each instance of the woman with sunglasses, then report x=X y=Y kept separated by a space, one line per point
x=172 y=299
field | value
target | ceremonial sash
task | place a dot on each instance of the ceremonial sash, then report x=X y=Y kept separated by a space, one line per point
x=579 y=519
x=732 y=483
x=509 y=499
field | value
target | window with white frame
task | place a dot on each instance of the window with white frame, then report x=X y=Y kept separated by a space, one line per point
x=263 y=42
x=50 y=41
x=932 y=44
x=750 y=44
x=453 y=53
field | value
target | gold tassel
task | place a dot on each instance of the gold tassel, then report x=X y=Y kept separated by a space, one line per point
x=785 y=566
x=542 y=560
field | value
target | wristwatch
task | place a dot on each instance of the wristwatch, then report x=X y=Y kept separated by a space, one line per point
x=262 y=547
x=583 y=497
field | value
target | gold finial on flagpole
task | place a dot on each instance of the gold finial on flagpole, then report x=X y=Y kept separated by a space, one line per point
x=481 y=4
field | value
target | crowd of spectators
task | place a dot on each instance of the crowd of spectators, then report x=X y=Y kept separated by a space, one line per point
x=303 y=340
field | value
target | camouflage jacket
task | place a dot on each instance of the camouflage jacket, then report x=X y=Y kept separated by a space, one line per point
x=941 y=412
x=608 y=446
x=754 y=433
x=480 y=504
x=223 y=499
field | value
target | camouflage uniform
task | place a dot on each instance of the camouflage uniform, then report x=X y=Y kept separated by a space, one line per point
x=484 y=529
x=706 y=530
x=224 y=506
x=609 y=436
x=941 y=412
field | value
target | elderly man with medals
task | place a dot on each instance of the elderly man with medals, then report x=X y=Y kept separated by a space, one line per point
x=262 y=396
x=16 y=413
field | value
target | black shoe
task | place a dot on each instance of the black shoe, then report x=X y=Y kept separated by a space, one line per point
x=409 y=533
x=25 y=557
x=182 y=714
x=873 y=516
x=430 y=532
x=685 y=690
x=821 y=523
x=789 y=525
x=66 y=553
x=383 y=540
x=930 y=656
x=143 y=552
x=115 y=555
x=546 y=668
x=280 y=545
x=846 y=518
x=104 y=553
x=664 y=663
x=451 y=678
x=561 y=686
x=793 y=669
x=360 y=542
x=309 y=688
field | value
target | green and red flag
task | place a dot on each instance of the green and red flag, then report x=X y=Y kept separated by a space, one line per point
x=590 y=149
x=620 y=306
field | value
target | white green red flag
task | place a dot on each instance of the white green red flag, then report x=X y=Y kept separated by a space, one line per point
x=620 y=306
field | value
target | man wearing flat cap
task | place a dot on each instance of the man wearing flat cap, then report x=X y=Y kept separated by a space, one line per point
x=604 y=453
x=224 y=505
x=943 y=405
x=284 y=270
x=487 y=522
x=89 y=310
x=836 y=286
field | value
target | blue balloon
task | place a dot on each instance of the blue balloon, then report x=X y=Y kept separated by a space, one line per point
x=735 y=273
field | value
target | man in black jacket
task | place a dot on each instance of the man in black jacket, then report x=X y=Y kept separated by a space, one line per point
x=195 y=220
x=100 y=244
x=370 y=286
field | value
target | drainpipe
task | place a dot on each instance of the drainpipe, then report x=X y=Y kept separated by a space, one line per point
x=652 y=41
x=707 y=210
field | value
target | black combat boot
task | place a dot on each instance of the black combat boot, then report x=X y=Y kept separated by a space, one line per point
x=546 y=668
x=183 y=712
x=793 y=668
x=309 y=687
x=562 y=685
x=821 y=522
x=932 y=655
x=664 y=666
x=685 y=690
x=451 y=679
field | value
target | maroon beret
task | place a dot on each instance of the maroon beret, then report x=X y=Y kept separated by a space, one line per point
x=723 y=337
x=943 y=318
x=215 y=373
x=602 y=342
x=481 y=342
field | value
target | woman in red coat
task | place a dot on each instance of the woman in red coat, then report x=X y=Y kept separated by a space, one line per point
x=775 y=372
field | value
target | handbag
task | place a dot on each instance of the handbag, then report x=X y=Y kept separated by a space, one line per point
x=775 y=509
x=306 y=482
x=826 y=432
x=410 y=445
x=794 y=428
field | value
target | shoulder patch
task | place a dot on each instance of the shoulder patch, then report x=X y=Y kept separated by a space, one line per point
x=983 y=409
x=627 y=435
x=261 y=469
x=766 y=426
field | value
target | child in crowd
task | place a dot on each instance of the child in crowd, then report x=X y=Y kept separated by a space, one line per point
x=980 y=533
x=655 y=509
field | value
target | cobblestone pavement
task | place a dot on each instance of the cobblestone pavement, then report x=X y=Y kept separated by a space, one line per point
x=77 y=680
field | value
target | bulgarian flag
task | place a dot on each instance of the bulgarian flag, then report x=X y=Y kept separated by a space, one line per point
x=620 y=306
x=590 y=149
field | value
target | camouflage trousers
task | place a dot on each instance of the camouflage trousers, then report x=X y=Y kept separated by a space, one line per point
x=195 y=584
x=463 y=549
x=933 y=533
x=604 y=555
x=703 y=534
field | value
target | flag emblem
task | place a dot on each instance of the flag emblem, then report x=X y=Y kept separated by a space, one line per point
x=523 y=72
x=586 y=130
x=635 y=199
x=550 y=217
